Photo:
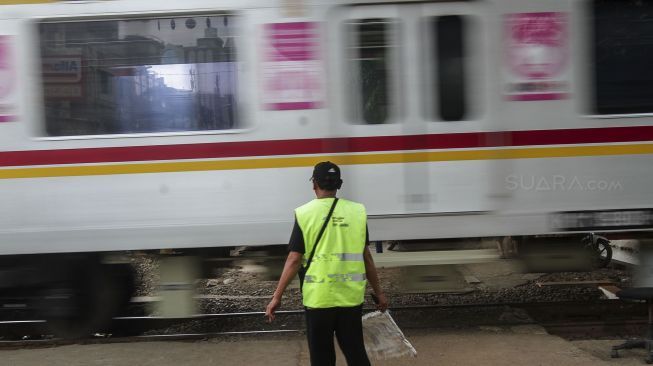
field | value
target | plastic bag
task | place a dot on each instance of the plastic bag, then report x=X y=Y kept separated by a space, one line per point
x=383 y=338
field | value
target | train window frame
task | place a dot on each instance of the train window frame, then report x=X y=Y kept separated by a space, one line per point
x=437 y=81
x=475 y=75
x=353 y=113
x=590 y=84
x=243 y=120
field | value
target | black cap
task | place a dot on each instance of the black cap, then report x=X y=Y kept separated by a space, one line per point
x=327 y=175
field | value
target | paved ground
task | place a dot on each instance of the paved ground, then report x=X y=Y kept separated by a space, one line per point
x=524 y=345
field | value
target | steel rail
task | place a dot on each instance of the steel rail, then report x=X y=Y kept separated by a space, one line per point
x=559 y=325
x=366 y=309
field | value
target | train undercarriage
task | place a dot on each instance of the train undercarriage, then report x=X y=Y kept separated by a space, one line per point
x=79 y=294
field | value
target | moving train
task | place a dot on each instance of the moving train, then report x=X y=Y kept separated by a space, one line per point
x=130 y=125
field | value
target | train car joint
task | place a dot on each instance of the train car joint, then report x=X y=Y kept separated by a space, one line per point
x=176 y=288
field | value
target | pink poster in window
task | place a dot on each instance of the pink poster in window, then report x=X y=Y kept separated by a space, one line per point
x=537 y=56
x=292 y=68
x=7 y=81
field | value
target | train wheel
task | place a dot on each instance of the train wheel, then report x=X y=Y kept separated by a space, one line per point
x=85 y=302
x=604 y=252
x=599 y=249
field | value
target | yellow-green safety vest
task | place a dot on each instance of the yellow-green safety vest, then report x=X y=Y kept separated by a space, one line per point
x=336 y=277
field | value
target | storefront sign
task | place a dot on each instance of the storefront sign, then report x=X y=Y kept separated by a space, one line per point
x=64 y=69
x=62 y=77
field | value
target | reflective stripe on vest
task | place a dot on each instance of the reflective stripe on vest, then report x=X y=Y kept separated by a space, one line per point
x=336 y=276
x=347 y=257
x=342 y=277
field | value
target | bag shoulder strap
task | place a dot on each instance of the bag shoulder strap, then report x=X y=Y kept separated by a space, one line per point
x=319 y=236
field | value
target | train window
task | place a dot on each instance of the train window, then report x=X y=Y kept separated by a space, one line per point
x=369 y=64
x=622 y=52
x=449 y=80
x=145 y=75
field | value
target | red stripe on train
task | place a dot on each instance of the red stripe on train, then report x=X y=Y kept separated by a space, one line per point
x=327 y=145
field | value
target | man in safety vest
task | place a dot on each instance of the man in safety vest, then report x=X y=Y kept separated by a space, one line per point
x=339 y=266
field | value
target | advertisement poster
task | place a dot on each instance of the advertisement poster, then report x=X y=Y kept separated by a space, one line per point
x=537 y=56
x=7 y=81
x=292 y=69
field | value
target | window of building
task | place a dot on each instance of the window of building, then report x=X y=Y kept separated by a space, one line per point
x=105 y=82
x=370 y=53
x=449 y=79
x=145 y=75
x=622 y=51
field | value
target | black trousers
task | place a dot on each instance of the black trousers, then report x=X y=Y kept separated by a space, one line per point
x=346 y=323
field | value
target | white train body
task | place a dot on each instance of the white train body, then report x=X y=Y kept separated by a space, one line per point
x=525 y=141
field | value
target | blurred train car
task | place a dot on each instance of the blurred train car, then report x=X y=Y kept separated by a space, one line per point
x=139 y=125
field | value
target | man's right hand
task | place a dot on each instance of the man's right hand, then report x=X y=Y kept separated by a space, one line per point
x=272 y=308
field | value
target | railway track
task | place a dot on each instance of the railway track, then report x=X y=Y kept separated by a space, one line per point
x=569 y=319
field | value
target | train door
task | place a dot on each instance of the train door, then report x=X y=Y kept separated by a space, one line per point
x=367 y=58
x=409 y=85
x=455 y=42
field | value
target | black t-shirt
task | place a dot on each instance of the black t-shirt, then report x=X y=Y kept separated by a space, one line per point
x=296 y=242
